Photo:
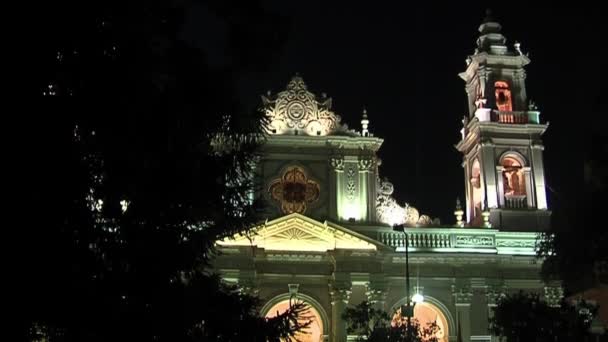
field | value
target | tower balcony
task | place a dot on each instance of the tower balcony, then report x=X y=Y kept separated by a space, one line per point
x=515 y=117
x=516 y=202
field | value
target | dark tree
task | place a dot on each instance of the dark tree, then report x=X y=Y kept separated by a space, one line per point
x=371 y=324
x=525 y=317
x=574 y=250
x=138 y=157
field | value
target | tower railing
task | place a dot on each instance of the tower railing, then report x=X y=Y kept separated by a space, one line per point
x=515 y=117
x=516 y=202
x=510 y=117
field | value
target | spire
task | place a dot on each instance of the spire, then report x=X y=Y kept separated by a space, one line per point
x=489 y=17
x=491 y=39
x=364 y=124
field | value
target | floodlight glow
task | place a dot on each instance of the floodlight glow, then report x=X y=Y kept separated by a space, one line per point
x=417 y=298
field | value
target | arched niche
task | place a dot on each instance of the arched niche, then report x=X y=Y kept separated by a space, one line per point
x=319 y=329
x=430 y=310
x=504 y=102
x=514 y=181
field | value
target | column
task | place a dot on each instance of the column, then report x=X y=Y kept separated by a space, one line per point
x=488 y=161
x=539 y=175
x=336 y=166
x=367 y=182
x=339 y=300
x=462 y=301
x=501 y=186
x=529 y=192
x=469 y=193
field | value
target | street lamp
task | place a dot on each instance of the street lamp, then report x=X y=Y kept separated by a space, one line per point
x=407 y=310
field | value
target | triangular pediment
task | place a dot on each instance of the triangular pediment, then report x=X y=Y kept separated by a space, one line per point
x=296 y=232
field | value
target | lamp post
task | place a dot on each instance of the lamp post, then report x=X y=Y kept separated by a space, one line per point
x=407 y=310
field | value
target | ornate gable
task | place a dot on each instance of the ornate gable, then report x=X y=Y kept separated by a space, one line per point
x=296 y=232
x=296 y=111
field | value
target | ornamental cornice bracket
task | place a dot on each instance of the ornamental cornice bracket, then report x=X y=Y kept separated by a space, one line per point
x=337 y=162
x=462 y=295
x=494 y=294
x=340 y=292
x=367 y=164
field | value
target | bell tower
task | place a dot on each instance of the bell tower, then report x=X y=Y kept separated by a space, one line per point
x=501 y=138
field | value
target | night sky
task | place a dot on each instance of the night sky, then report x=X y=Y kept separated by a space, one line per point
x=401 y=63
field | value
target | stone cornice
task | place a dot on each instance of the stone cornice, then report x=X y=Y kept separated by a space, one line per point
x=477 y=130
x=333 y=141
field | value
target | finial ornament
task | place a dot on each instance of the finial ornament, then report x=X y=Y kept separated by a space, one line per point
x=364 y=124
x=459 y=213
x=517 y=46
x=489 y=17
x=486 y=218
x=480 y=102
x=532 y=105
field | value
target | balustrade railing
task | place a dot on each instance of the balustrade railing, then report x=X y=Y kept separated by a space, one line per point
x=459 y=240
x=416 y=239
x=511 y=117
x=516 y=202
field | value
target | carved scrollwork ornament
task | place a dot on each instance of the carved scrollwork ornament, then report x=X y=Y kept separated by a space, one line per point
x=366 y=164
x=337 y=163
x=297 y=111
x=351 y=187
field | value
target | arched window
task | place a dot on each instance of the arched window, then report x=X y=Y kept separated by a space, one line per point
x=503 y=96
x=313 y=333
x=513 y=176
x=426 y=313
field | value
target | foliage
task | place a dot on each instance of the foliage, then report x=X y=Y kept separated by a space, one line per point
x=126 y=188
x=525 y=317
x=371 y=324
x=574 y=248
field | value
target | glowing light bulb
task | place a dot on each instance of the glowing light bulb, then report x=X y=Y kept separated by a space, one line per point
x=417 y=298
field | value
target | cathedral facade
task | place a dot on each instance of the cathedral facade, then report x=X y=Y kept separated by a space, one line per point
x=330 y=239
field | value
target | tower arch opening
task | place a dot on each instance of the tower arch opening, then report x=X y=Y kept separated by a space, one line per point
x=503 y=96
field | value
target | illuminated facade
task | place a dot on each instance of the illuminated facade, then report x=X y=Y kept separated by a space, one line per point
x=329 y=241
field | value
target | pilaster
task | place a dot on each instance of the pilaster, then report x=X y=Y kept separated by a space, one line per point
x=367 y=186
x=488 y=161
x=340 y=295
x=539 y=175
x=462 y=300
x=336 y=166
x=493 y=294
